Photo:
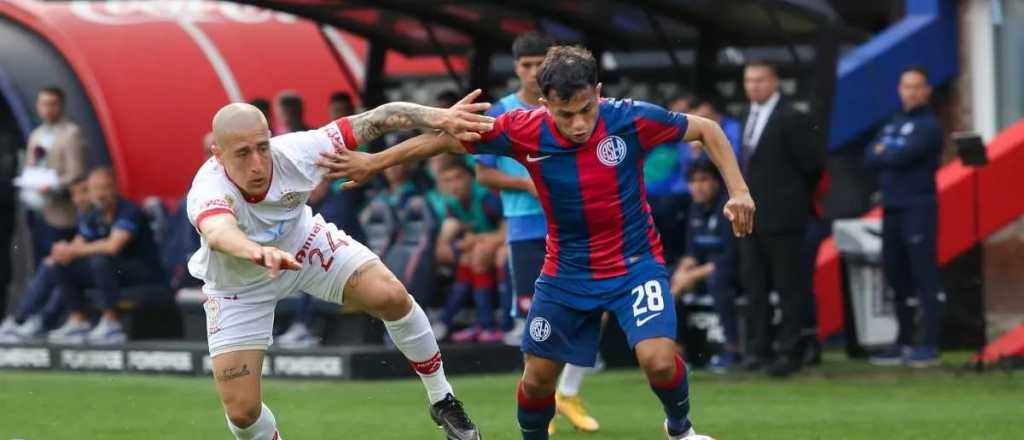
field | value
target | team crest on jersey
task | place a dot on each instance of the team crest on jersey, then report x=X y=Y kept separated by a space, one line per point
x=212 y=307
x=540 y=329
x=907 y=128
x=291 y=200
x=611 y=151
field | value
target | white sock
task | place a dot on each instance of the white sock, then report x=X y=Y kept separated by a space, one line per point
x=265 y=427
x=572 y=377
x=414 y=338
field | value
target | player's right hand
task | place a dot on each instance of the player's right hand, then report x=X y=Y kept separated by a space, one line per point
x=275 y=260
x=462 y=120
x=354 y=166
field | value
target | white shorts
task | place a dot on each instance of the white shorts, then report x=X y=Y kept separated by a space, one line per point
x=243 y=318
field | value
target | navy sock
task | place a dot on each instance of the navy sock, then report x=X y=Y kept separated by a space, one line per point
x=484 y=300
x=458 y=297
x=675 y=398
x=534 y=414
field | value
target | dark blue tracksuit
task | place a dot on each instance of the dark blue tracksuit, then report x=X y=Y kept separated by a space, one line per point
x=907 y=166
x=710 y=240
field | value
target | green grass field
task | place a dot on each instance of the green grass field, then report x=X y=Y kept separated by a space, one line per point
x=840 y=400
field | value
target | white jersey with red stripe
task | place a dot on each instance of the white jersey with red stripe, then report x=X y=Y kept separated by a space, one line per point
x=280 y=218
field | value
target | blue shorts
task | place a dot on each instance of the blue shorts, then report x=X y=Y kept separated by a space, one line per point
x=565 y=320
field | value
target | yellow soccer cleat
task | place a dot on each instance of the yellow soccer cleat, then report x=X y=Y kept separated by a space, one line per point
x=572 y=408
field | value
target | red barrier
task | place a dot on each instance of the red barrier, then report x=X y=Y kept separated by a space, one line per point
x=155 y=72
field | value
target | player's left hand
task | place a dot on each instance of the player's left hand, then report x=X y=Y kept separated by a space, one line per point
x=740 y=211
x=355 y=166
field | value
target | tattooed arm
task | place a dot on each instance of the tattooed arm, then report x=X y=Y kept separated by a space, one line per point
x=461 y=120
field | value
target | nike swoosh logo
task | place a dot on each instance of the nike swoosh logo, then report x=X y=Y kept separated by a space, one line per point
x=640 y=322
x=532 y=159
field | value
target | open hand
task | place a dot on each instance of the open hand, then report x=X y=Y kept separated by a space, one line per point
x=342 y=163
x=462 y=120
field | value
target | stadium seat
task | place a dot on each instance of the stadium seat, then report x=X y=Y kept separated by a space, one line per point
x=379 y=223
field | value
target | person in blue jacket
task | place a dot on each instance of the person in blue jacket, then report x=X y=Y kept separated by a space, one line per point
x=709 y=265
x=907 y=154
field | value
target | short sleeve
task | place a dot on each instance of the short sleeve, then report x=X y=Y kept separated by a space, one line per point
x=85 y=228
x=207 y=202
x=302 y=148
x=655 y=125
x=128 y=220
x=497 y=141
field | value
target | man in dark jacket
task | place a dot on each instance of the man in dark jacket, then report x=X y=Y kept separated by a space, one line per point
x=782 y=159
x=907 y=154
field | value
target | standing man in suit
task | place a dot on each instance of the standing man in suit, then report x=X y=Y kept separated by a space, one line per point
x=55 y=145
x=782 y=160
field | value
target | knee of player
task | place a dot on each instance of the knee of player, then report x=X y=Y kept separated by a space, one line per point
x=538 y=387
x=243 y=413
x=393 y=300
x=659 y=367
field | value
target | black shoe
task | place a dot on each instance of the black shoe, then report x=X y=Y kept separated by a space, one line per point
x=811 y=355
x=449 y=415
x=751 y=364
x=783 y=366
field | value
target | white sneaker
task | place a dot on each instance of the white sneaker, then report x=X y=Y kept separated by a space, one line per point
x=8 y=324
x=71 y=333
x=688 y=435
x=9 y=331
x=440 y=330
x=514 y=337
x=298 y=336
x=107 y=332
x=31 y=328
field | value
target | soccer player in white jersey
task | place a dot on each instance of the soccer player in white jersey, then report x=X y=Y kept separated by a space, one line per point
x=261 y=243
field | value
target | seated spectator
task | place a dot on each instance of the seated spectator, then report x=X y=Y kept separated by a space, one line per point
x=709 y=266
x=668 y=195
x=400 y=185
x=114 y=248
x=179 y=239
x=41 y=304
x=470 y=237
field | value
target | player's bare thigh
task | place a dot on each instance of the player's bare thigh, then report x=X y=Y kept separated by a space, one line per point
x=237 y=376
x=375 y=290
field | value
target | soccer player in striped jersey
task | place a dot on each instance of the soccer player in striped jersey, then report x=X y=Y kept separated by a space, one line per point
x=585 y=157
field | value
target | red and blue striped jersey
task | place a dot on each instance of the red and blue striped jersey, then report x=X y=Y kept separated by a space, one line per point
x=599 y=222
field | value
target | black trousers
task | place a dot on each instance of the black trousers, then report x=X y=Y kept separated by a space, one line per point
x=774 y=263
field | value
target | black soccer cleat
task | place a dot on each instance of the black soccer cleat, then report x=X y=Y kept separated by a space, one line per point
x=449 y=415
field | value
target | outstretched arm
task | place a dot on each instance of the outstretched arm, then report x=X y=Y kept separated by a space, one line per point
x=740 y=207
x=358 y=167
x=223 y=235
x=460 y=121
